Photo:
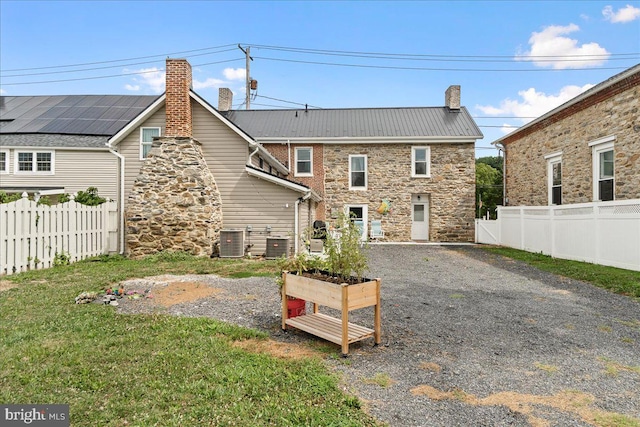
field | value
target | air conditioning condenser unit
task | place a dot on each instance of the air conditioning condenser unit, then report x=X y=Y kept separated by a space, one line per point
x=277 y=247
x=231 y=243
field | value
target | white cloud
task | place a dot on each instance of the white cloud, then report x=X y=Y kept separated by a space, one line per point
x=625 y=14
x=234 y=73
x=532 y=103
x=148 y=78
x=550 y=48
x=208 y=83
x=133 y=88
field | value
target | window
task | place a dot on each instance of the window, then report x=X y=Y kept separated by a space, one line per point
x=261 y=163
x=34 y=162
x=603 y=169
x=146 y=140
x=554 y=178
x=304 y=161
x=4 y=161
x=357 y=172
x=420 y=162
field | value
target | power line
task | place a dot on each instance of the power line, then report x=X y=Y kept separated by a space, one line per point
x=390 y=67
x=113 y=75
x=103 y=68
x=288 y=102
x=119 y=60
x=411 y=55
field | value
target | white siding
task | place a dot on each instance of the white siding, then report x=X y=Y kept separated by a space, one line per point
x=74 y=170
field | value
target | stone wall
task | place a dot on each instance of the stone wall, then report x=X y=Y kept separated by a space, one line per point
x=174 y=204
x=613 y=111
x=450 y=189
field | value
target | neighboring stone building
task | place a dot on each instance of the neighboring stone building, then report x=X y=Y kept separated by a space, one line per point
x=420 y=160
x=587 y=149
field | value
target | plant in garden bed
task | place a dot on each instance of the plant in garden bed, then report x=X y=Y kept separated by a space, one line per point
x=344 y=262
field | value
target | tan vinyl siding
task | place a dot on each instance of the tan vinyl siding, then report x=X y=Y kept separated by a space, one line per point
x=130 y=149
x=74 y=170
x=246 y=200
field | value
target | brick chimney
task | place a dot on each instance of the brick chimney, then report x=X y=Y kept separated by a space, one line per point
x=225 y=99
x=178 y=102
x=452 y=98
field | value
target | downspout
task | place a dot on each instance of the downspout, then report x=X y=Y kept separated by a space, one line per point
x=121 y=213
x=254 y=152
x=289 y=155
x=296 y=228
x=296 y=216
x=504 y=173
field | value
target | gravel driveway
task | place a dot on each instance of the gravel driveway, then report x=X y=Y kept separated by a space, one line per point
x=469 y=339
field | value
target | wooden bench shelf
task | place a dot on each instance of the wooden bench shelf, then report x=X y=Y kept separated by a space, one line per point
x=342 y=297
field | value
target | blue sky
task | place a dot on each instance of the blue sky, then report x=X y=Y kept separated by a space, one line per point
x=513 y=59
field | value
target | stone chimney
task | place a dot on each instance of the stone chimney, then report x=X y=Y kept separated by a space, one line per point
x=225 y=99
x=452 y=98
x=178 y=102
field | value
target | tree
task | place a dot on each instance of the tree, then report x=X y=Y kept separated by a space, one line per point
x=488 y=186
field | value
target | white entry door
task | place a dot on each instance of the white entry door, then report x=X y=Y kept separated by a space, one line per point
x=420 y=219
x=358 y=214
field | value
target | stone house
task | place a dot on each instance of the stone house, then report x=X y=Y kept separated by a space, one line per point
x=587 y=149
x=420 y=160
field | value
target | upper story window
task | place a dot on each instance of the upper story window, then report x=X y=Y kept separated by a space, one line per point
x=4 y=162
x=554 y=178
x=420 y=162
x=357 y=172
x=34 y=162
x=261 y=163
x=146 y=139
x=603 y=168
x=304 y=161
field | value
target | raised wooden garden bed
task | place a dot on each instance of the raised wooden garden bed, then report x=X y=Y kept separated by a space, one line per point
x=342 y=297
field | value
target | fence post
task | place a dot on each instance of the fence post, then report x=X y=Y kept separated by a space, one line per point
x=552 y=229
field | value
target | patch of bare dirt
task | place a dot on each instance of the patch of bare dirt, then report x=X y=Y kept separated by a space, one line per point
x=5 y=285
x=179 y=292
x=277 y=349
x=573 y=402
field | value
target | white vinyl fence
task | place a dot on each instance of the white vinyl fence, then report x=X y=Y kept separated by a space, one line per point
x=606 y=233
x=31 y=235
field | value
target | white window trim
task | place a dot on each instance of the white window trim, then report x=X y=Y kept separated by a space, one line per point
x=365 y=217
x=598 y=146
x=6 y=162
x=34 y=164
x=296 y=173
x=551 y=160
x=366 y=174
x=147 y=143
x=413 y=162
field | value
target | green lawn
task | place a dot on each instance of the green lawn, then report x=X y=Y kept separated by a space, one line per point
x=143 y=370
x=618 y=280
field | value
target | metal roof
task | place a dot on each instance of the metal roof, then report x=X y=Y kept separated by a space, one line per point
x=356 y=123
x=70 y=114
